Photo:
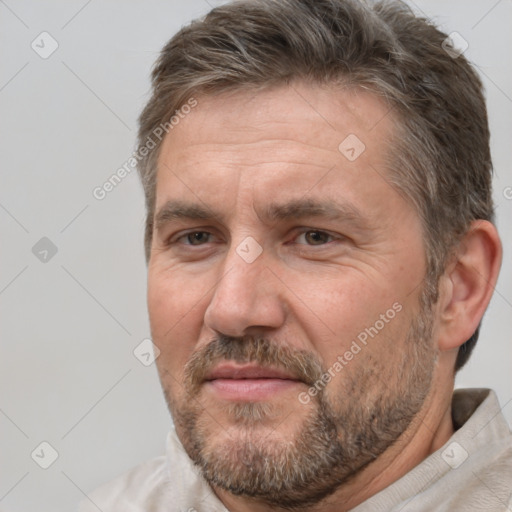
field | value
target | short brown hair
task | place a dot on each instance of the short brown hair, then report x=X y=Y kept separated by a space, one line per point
x=441 y=158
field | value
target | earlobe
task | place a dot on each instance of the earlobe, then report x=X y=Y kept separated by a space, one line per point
x=468 y=284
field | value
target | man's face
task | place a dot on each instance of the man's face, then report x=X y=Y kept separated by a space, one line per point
x=284 y=286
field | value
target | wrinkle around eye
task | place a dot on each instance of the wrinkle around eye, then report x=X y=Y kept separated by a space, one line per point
x=184 y=237
x=187 y=240
x=327 y=240
x=317 y=231
x=178 y=247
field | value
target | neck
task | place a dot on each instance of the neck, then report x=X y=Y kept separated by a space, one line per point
x=430 y=429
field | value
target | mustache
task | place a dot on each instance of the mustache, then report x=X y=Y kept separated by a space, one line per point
x=300 y=364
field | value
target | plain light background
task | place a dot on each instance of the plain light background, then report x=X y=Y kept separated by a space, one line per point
x=69 y=326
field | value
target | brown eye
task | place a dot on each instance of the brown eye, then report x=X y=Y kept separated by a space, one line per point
x=197 y=237
x=313 y=237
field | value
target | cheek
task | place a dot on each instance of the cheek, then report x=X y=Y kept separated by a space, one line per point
x=337 y=311
x=173 y=298
x=176 y=312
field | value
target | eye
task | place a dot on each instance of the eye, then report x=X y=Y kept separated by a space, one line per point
x=195 y=238
x=314 y=237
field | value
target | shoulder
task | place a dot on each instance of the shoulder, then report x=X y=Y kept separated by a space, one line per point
x=165 y=483
x=475 y=467
x=144 y=484
x=488 y=485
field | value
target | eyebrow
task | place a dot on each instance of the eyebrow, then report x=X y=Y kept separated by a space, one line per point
x=176 y=210
x=296 y=209
x=302 y=208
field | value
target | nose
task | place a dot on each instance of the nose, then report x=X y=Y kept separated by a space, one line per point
x=248 y=298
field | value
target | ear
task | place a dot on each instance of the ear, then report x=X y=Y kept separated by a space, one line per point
x=467 y=284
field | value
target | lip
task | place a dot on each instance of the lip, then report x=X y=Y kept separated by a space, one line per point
x=247 y=371
x=249 y=382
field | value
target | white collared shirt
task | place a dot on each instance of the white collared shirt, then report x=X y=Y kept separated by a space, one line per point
x=471 y=472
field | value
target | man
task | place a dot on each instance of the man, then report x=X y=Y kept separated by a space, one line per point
x=321 y=252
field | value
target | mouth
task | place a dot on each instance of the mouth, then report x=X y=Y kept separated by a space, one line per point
x=249 y=382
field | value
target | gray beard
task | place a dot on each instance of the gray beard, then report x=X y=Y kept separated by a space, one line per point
x=339 y=437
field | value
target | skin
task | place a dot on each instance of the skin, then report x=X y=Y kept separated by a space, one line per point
x=236 y=155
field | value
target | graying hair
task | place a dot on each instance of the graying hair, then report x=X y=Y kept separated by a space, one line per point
x=441 y=158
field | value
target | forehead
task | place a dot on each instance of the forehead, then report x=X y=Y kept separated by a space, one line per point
x=279 y=142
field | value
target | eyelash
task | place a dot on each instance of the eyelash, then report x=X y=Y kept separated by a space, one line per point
x=301 y=233
x=317 y=231
x=189 y=234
